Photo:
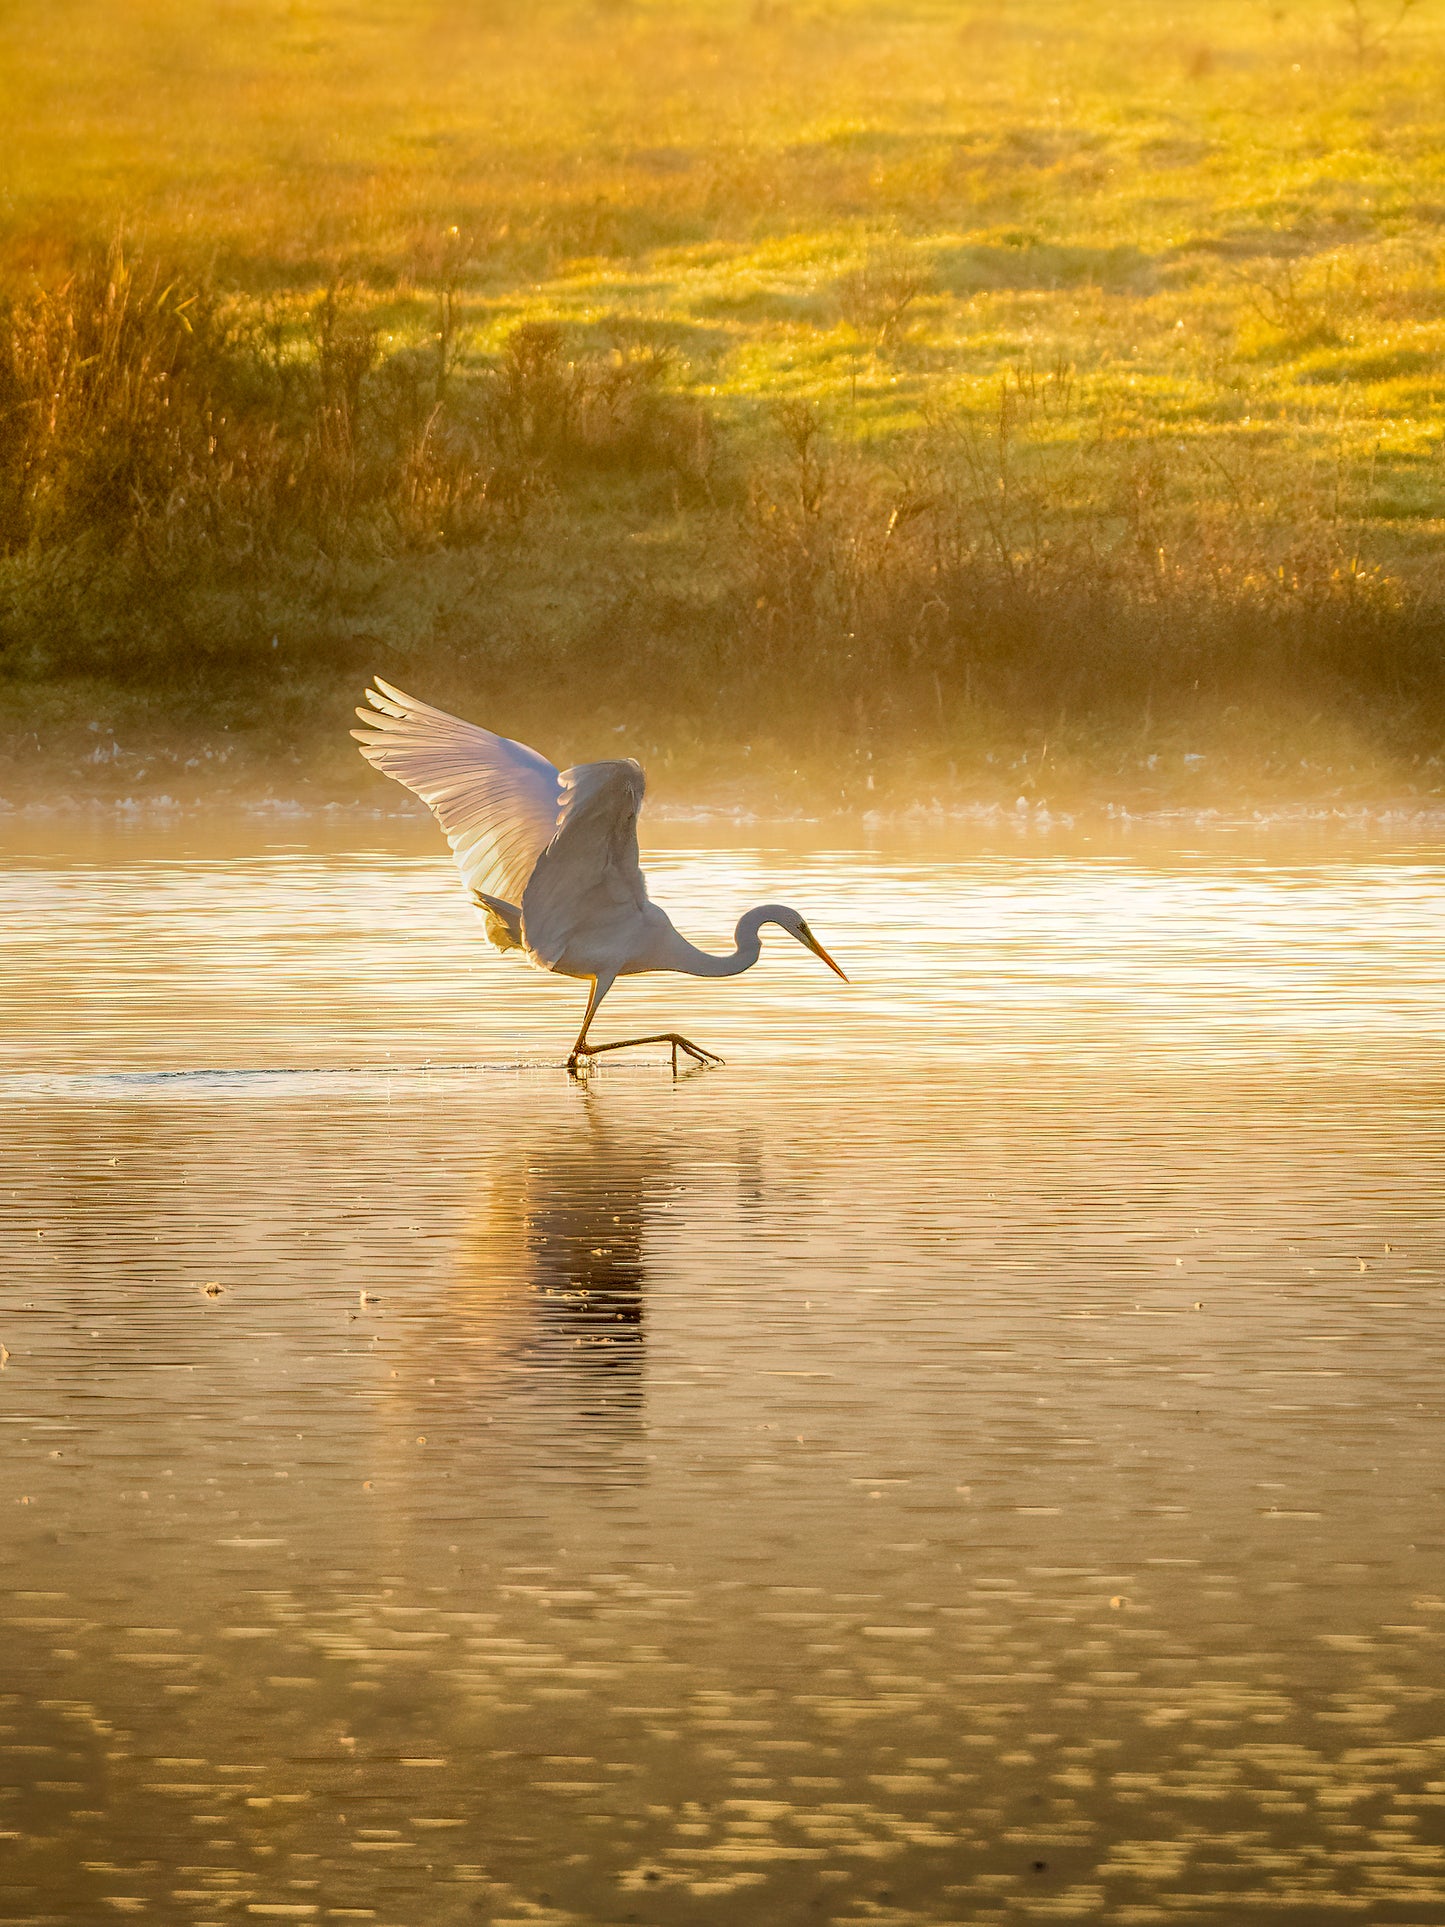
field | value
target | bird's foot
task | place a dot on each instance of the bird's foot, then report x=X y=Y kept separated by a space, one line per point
x=702 y=1058
x=699 y=1056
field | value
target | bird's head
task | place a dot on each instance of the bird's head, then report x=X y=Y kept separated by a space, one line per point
x=796 y=926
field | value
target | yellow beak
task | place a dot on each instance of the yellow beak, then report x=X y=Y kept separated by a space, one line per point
x=818 y=951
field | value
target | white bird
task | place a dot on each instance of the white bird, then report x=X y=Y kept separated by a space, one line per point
x=550 y=857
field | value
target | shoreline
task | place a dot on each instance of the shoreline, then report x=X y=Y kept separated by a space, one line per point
x=1022 y=818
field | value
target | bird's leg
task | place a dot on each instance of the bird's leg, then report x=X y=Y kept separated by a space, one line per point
x=581 y=1048
x=678 y=1043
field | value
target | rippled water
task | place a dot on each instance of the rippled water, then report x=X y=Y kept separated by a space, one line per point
x=975 y=1458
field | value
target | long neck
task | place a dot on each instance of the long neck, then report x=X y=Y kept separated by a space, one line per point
x=700 y=963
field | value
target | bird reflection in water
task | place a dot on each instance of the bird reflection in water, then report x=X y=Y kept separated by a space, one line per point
x=549 y=1295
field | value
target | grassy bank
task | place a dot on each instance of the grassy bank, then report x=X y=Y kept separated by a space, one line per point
x=927 y=399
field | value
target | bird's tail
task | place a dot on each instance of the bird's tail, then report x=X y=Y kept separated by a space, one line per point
x=504 y=920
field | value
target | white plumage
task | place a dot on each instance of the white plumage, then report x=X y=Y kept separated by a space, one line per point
x=550 y=856
x=498 y=801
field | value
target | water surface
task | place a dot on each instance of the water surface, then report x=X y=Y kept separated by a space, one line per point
x=974 y=1458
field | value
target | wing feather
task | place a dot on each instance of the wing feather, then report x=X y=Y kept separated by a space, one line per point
x=499 y=802
x=588 y=882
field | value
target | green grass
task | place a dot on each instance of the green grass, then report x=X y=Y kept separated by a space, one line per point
x=929 y=388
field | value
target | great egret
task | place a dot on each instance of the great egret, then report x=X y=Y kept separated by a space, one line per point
x=550 y=856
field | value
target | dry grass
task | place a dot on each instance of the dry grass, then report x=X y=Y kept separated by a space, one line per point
x=881 y=377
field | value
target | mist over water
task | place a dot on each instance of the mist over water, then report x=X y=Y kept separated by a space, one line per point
x=973 y=1458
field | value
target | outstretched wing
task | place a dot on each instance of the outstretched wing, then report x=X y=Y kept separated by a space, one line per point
x=588 y=881
x=498 y=801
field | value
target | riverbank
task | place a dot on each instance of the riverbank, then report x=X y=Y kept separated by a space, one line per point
x=1043 y=405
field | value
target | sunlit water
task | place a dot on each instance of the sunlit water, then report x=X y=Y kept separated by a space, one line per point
x=975 y=1458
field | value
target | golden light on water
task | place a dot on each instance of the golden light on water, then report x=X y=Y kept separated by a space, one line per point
x=939 y=1454
x=367 y=957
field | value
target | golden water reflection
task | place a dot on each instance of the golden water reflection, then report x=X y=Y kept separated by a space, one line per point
x=549 y=1293
x=992 y=1475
